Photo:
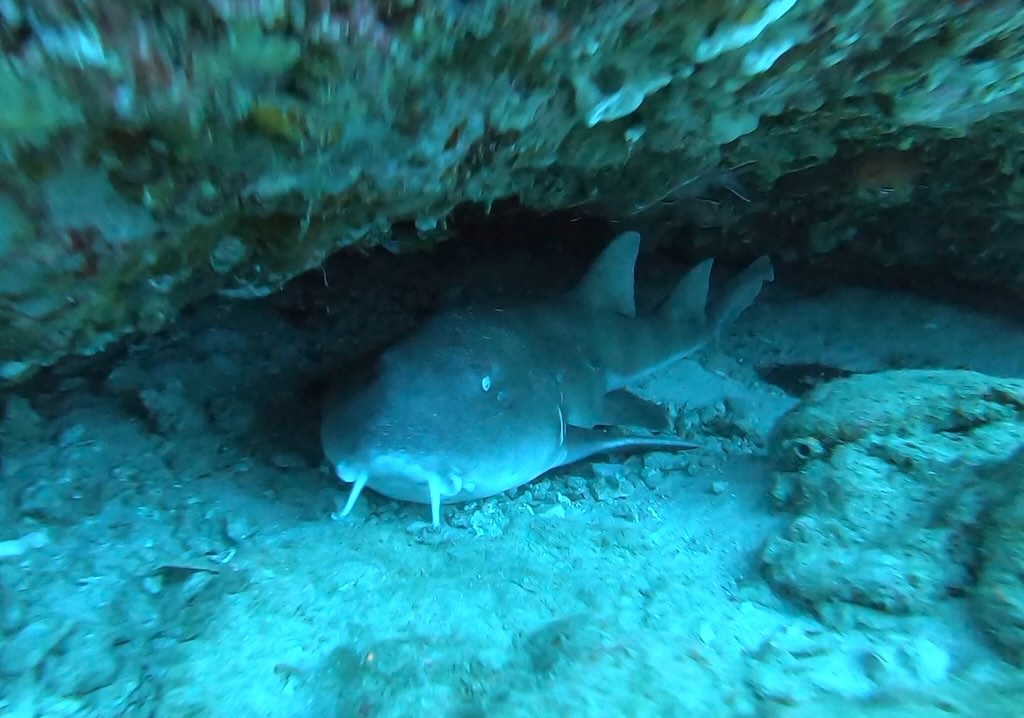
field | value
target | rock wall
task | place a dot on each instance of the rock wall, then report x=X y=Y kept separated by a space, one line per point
x=156 y=153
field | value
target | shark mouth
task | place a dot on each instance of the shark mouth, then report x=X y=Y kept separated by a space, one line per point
x=399 y=475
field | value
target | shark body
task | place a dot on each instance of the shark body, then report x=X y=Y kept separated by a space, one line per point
x=480 y=401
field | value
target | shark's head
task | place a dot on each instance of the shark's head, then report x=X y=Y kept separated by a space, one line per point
x=448 y=415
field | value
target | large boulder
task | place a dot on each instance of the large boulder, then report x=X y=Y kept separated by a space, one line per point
x=892 y=480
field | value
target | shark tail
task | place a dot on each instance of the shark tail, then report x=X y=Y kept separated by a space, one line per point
x=739 y=294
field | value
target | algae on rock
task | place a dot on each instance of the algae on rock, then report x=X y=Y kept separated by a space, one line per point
x=887 y=475
x=1000 y=591
x=301 y=128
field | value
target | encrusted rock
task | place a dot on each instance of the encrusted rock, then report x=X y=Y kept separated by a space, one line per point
x=886 y=474
x=1000 y=593
x=154 y=154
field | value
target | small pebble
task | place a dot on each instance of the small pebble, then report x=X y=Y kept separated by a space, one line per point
x=152 y=585
x=28 y=647
x=287 y=460
x=71 y=435
x=929 y=661
x=237 y=528
x=20 y=546
x=555 y=512
x=706 y=633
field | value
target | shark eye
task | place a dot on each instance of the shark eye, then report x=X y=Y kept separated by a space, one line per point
x=485 y=383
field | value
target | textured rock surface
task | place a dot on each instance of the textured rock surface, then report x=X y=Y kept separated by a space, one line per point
x=156 y=153
x=889 y=477
x=1000 y=592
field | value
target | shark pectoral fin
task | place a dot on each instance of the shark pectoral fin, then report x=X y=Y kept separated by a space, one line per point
x=581 y=443
x=621 y=408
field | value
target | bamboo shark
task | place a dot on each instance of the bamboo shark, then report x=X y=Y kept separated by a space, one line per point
x=479 y=401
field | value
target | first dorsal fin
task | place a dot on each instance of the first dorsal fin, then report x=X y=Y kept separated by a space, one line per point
x=608 y=283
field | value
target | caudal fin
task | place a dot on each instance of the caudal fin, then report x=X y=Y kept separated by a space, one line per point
x=739 y=294
x=684 y=321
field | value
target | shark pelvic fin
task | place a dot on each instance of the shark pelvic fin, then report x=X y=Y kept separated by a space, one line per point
x=622 y=408
x=582 y=443
x=608 y=283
